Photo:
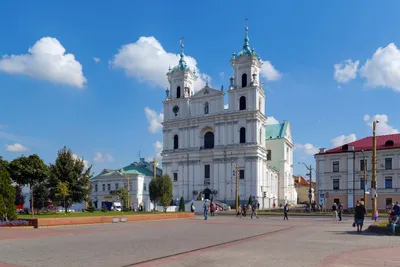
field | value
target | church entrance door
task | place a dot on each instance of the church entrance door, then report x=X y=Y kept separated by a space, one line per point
x=207 y=193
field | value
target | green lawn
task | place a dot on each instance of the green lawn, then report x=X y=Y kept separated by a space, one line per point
x=83 y=214
x=383 y=224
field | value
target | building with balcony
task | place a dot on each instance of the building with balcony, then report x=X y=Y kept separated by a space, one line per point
x=340 y=172
x=203 y=140
x=137 y=175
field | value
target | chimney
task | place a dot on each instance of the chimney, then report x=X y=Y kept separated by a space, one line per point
x=322 y=150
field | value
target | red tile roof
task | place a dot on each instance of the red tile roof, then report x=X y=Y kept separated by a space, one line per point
x=382 y=142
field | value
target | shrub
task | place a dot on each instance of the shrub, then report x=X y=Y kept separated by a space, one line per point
x=91 y=209
x=104 y=208
x=182 y=205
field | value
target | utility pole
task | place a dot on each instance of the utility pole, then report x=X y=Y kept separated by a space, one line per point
x=237 y=187
x=310 y=191
x=373 y=180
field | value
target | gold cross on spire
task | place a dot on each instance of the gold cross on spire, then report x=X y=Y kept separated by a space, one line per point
x=181 y=42
x=246 y=22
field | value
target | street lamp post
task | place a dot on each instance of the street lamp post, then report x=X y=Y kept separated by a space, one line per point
x=365 y=181
x=310 y=169
x=373 y=180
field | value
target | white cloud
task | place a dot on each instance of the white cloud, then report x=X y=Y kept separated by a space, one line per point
x=346 y=71
x=383 y=69
x=343 y=139
x=147 y=61
x=158 y=147
x=3 y=126
x=46 y=60
x=308 y=148
x=96 y=59
x=85 y=162
x=226 y=106
x=383 y=126
x=16 y=148
x=100 y=157
x=269 y=72
x=272 y=120
x=154 y=120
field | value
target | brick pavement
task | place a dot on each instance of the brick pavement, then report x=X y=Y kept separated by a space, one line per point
x=220 y=241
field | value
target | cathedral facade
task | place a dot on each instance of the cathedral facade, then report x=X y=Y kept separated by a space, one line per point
x=203 y=141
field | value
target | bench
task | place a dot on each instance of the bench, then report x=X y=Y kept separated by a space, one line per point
x=115 y=220
x=124 y=219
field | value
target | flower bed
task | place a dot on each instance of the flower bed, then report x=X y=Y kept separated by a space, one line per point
x=17 y=223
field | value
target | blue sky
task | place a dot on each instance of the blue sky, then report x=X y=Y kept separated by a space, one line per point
x=97 y=106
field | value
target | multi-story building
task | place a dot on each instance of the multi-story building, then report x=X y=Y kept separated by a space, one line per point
x=137 y=175
x=340 y=172
x=203 y=140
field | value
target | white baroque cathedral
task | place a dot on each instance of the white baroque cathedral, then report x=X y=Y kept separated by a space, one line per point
x=203 y=141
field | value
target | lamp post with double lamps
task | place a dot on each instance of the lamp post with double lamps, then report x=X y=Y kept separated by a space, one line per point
x=310 y=169
x=365 y=181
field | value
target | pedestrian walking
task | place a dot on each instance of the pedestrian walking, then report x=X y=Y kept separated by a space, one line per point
x=285 y=212
x=334 y=212
x=239 y=212
x=206 y=208
x=340 y=210
x=359 y=214
x=212 y=209
x=254 y=212
x=376 y=215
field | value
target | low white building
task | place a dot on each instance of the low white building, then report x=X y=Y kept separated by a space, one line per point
x=203 y=140
x=138 y=175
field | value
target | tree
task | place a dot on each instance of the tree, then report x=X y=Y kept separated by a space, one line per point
x=161 y=189
x=250 y=202
x=29 y=171
x=7 y=197
x=71 y=170
x=3 y=164
x=182 y=204
x=154 y=192
x=91 y=208
x=19 y=196
x=41 y=196
x=165 y=190
x=123 y=195
x=62 y=191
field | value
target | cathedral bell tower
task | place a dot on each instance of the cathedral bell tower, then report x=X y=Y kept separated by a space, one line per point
x=181 y=86
x=245 y=90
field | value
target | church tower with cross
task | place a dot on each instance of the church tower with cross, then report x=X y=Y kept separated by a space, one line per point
x=203 y=140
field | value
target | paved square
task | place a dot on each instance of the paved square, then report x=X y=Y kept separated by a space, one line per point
x=219 y=241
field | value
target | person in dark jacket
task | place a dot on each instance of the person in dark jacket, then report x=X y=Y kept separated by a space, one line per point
x=359 y=214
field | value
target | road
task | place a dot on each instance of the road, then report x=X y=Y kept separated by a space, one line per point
x=219 y=241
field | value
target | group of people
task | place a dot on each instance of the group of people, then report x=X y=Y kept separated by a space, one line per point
x=242 y=211
x=208 y=206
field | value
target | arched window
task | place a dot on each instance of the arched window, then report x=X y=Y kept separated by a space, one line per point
x=206 y=108
x=244 y=80
x=209 y=140
x=176 y=141
x=178 y=92
x=242 y=135
x=242 y=103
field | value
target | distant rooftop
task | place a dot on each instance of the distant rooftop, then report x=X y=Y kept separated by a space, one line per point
x=136 y=168
x=390 y=141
